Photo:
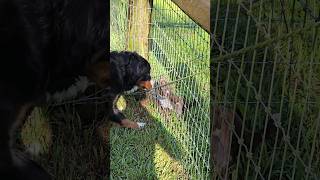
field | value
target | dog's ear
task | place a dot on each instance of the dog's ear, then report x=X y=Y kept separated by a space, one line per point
x=118 y=72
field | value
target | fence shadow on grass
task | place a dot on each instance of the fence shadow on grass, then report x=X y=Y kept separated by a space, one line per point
x=151 y=153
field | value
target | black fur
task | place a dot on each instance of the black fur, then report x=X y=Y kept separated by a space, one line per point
x=42 y=44
x=127 y=69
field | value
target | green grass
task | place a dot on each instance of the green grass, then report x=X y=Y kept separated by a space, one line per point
x=144 y=154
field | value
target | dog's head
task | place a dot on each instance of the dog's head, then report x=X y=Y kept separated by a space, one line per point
x=122 y=71
x=129 y=69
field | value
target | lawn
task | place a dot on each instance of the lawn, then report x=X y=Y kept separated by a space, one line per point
x=143 y=154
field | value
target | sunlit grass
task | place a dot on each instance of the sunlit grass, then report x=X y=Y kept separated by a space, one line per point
x=136 y=154
x=167 y=167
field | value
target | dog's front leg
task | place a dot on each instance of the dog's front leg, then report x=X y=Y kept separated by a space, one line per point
x=118 y=117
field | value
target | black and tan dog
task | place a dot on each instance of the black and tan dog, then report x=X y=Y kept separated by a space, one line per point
x=43 y=45
x=123 y=72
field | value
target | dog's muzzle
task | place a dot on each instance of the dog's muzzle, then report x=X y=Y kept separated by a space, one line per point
x=145 y=84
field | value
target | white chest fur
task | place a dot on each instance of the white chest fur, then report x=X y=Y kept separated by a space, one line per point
x=80 y=86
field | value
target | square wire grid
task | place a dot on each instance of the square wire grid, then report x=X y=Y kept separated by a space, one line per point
x=265 y=69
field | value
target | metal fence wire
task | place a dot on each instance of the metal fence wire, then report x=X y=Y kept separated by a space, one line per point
x=179 y=56
x=266 y=89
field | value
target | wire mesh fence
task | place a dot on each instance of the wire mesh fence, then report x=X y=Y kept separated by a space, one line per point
x=178 y=51
x=265 y=86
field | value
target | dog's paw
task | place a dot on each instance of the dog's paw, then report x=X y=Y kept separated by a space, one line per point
x=141 y=125
x=132 y=125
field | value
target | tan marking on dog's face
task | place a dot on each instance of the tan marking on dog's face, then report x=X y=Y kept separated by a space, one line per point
x=145 y=84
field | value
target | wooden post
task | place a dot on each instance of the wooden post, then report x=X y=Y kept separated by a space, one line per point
x=139 y=18
x=198 y=10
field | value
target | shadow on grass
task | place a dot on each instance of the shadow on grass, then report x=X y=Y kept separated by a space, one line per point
x=151 y=153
